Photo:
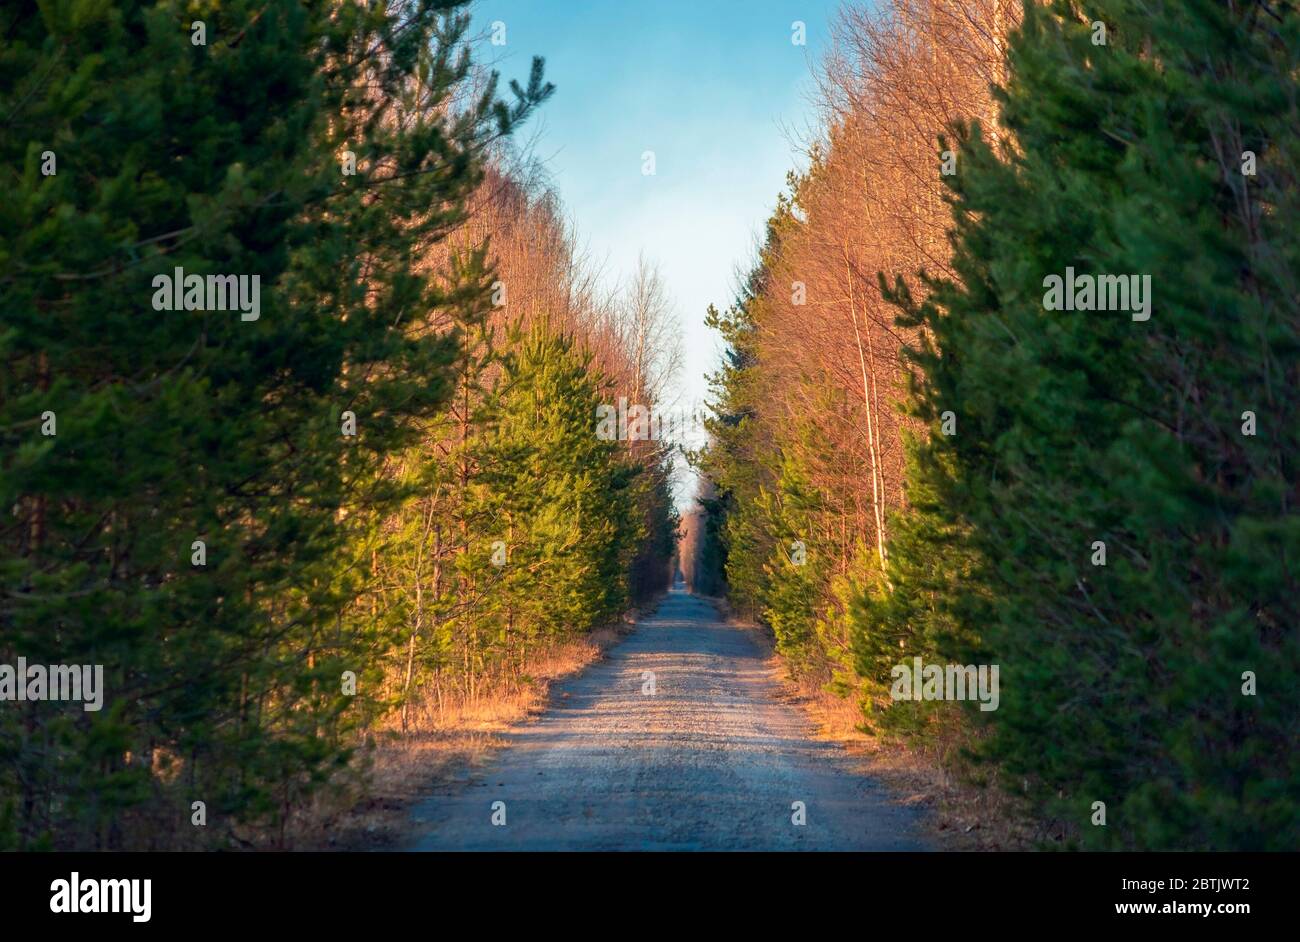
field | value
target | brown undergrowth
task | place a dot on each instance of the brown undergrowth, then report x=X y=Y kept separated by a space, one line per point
x=964 y=807
x=446 y=739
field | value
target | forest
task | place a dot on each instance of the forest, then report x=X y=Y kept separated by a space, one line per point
x=288 y=523
x=320 y=424
x=920 y=450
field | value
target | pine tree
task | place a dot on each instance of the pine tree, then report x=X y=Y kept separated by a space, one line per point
x=187 y=525
x=564 y=491
x=794 y=573
x=1084 y=432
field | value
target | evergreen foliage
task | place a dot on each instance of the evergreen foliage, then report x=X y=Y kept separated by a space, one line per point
x=1126 y=683
x=290 y=439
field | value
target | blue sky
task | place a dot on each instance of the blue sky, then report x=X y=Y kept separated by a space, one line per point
x=714 y=87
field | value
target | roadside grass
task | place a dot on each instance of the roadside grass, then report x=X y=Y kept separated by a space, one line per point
x=449 y=734
x=963 y=807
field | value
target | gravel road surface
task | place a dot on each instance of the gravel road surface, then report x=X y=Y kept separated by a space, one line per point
x=712 y=760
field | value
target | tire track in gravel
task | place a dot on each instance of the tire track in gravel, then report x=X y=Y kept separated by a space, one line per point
x=712 y=761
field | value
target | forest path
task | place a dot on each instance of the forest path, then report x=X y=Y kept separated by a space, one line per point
x=712 y=760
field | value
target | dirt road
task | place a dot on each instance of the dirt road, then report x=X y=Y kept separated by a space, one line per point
x=711 y=760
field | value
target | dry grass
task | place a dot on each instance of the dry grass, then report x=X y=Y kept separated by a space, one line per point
x=369 y=806
x=958 y=814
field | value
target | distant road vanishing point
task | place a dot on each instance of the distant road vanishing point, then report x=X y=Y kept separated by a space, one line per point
x=711 y=760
